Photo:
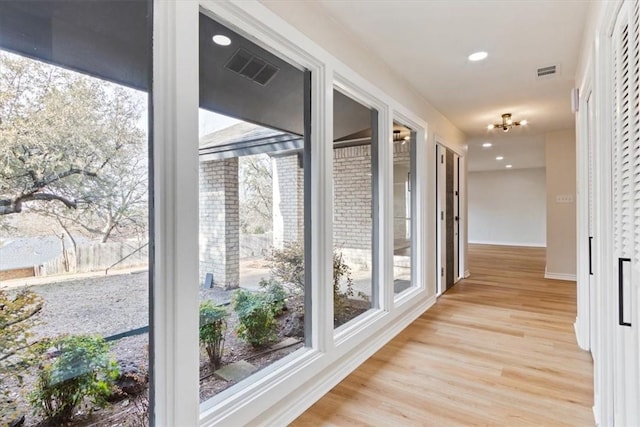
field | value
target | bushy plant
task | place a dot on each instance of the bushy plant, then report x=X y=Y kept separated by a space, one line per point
x=287 y=264
x=275 y=294
x=80 y=367
x=213 y=327
x=18 y=314
x=256 y=322
x=341 y=273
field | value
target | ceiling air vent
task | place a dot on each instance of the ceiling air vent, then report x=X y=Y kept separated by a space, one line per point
x=547 y=71
x=252 y=67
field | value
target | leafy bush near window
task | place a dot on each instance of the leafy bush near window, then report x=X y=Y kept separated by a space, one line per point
x=18 y=314
x=256 y=321
x=341 y=273
x=213 y=327
x=287 y=264
x=79 y=367
x=275 y=294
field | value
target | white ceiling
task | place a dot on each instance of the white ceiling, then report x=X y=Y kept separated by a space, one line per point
x=427 y=43
x=522 y=152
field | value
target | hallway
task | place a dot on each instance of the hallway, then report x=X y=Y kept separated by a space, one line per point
x=497 y=349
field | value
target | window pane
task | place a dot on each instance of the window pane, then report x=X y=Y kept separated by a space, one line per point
x=403 y=201
x=74 y=209
x=252 y=208
x=354 y=157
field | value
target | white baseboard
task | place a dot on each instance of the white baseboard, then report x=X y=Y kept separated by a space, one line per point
x=559 y=276
x=595 y=415
x=579 y=339
x=467 y=273
x=501 y=243
x=330 y=377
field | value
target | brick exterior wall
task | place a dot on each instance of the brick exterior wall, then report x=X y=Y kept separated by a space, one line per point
x=352 y=227
x=288 y=200
x=220 y=222
x=401 y=158
x=352 y=198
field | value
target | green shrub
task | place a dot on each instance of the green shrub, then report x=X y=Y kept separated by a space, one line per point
x=341 y=273
x=275 y=294
x=82 y=368
x=213 y=327
x=18 y=314
x=256 y=322
x=287 y=264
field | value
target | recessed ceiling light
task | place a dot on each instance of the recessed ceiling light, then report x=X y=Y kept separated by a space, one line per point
x=508 y=166
x=487 y=144
x=221 y=40
x=499 y=158
x=478 y=56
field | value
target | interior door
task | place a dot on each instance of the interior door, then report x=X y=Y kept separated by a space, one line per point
x=625 y=43
x=441 y=239
x=590 y=220
x=456 y=217
x=449 y=215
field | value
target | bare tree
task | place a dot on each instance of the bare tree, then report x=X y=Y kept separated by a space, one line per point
x=70 y=148
x=256 y=193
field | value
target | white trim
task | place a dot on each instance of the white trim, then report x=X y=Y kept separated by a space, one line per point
x=579 y=336
x=559 y=276
x=308 y=373
x=467 y=273
x=330 y=377
x=502 y=243
x=175 y=307
x=420 y=271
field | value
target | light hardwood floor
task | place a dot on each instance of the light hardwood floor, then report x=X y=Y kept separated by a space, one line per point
x=497 y=349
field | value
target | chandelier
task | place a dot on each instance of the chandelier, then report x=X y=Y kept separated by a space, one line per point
x=507 y=123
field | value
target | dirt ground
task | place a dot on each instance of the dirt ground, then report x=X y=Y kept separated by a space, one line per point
x=98 y=304
x=115 y=304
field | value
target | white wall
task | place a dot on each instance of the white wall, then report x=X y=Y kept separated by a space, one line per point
x=561 y=215
x=508 y=207
x=316 y=24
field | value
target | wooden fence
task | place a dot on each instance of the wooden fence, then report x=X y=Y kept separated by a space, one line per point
x=95 y=257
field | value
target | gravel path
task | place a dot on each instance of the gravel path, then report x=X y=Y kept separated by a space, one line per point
x=104 y=305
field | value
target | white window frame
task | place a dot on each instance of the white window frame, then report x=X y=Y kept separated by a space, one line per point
x=281 y=392
x=421 y=272
x=351 y=330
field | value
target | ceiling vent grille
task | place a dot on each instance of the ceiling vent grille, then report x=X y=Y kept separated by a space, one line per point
x=547 y=71
x=252 y=67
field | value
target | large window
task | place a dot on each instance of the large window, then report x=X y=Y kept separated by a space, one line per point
x=404 y=146
x=74 y=213
x=252 y=191
x=354 y=199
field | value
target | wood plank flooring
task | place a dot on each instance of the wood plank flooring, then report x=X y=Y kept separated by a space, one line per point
x=498 y=349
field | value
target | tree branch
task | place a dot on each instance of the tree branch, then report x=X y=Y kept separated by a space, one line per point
x=10 y=206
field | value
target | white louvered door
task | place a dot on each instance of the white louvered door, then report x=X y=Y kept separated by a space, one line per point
x=626 y=213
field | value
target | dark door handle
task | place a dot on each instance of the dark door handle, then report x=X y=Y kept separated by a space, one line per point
x=590 y=256
x=621 y=262
x=456 y=218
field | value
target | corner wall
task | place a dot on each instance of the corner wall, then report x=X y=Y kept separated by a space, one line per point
x=560 y=150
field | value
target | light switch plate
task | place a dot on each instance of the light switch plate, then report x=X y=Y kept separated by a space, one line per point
x=564 y=198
